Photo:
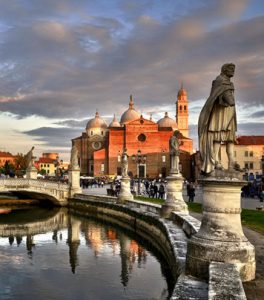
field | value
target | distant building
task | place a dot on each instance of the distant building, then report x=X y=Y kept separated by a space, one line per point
x=100 y=147
x=248 y=153
x=47 y=164
x=6 y=157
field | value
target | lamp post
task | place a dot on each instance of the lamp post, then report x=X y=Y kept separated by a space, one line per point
x=139 y=159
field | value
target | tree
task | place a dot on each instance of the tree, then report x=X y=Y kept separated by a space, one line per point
x=42 y=172
x=20 y=164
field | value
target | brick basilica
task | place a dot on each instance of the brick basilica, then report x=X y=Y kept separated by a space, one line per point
x=147 y=143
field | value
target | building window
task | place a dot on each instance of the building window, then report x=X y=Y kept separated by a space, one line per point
x=102 y=167
x=91 y=132
x=48 y=171
x=249 y=165
x=251 y=153
x=185 y=108
x=180 y=107
x=234 y=153
x=47 y=166
x=102 y=133
x=246 y=153
x=163 y=158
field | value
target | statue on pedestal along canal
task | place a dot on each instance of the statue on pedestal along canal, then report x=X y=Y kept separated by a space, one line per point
x=74 y=157
x=217 y=122
x=29 y=158
x=174 y=144
x=220 y=237
x=124 y=163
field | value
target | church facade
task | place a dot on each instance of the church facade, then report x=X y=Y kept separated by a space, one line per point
x=147 y=142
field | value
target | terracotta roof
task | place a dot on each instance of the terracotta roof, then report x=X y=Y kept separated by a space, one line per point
x=6 y=154
x=46 y=160
x=250 y=140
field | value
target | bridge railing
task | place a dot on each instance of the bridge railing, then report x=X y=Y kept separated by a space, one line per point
x=23 y=182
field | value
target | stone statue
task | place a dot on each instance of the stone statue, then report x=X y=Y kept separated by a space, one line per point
x=74 y=157
x=217 y=122
x=124 y=163
x=174 y=144
x=29 y=158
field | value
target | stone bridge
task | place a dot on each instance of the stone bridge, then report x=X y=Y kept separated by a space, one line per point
x=57 y=193
x=57 y=221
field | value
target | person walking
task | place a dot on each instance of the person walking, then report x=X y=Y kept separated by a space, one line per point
x=191 y=192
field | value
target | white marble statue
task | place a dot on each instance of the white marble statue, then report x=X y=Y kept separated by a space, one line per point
x=30 y=158
x=217 y=122
x=124 y=163
x=74 y=157
x=174 y=144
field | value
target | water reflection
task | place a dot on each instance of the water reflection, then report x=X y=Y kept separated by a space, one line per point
x=99 y=256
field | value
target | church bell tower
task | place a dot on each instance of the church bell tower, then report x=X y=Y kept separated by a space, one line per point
x=182 y=112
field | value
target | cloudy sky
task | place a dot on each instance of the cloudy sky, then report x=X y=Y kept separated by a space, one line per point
x=61 y=60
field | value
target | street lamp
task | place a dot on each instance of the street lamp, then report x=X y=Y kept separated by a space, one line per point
x=139 y=159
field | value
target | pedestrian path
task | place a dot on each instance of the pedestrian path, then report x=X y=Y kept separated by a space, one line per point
x=249 y=203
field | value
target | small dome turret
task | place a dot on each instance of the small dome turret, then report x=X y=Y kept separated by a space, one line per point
x=167 y=122
x=182 y=94
x=115 y=122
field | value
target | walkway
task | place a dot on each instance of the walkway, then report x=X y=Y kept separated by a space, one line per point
x=248 y=203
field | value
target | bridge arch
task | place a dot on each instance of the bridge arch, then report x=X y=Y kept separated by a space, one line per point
x=57 y=193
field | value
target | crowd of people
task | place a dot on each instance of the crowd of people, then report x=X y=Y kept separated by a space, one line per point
x=254 y=189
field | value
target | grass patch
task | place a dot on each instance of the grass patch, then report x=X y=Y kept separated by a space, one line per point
x=195 y=207
x=151 y=200
x=253 y=219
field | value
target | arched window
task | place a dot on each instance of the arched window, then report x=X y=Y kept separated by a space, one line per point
x=180 y=107
x=185 y=107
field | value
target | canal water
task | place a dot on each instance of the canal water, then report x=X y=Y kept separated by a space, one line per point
x=53 y=254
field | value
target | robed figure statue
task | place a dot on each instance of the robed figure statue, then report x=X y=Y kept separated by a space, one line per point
x=29 y=158
x=74 y=157
x=124 y=163
x=217 y=122
x=174 y=144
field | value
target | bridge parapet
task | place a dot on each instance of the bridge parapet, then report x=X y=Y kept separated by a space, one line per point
x=55 y=191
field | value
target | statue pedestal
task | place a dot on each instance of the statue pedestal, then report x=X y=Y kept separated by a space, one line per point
x=74 y=181
x=125 y=192
x=221 y=237
x=174 y=201
x=31 y=173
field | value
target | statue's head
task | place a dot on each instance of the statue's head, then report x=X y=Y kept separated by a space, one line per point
x=176 y=133
x=228 y=69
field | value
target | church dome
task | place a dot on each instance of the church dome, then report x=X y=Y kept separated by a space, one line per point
x=167 y=122
x=130 y=114
x=114 y=123
x=96 y=122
